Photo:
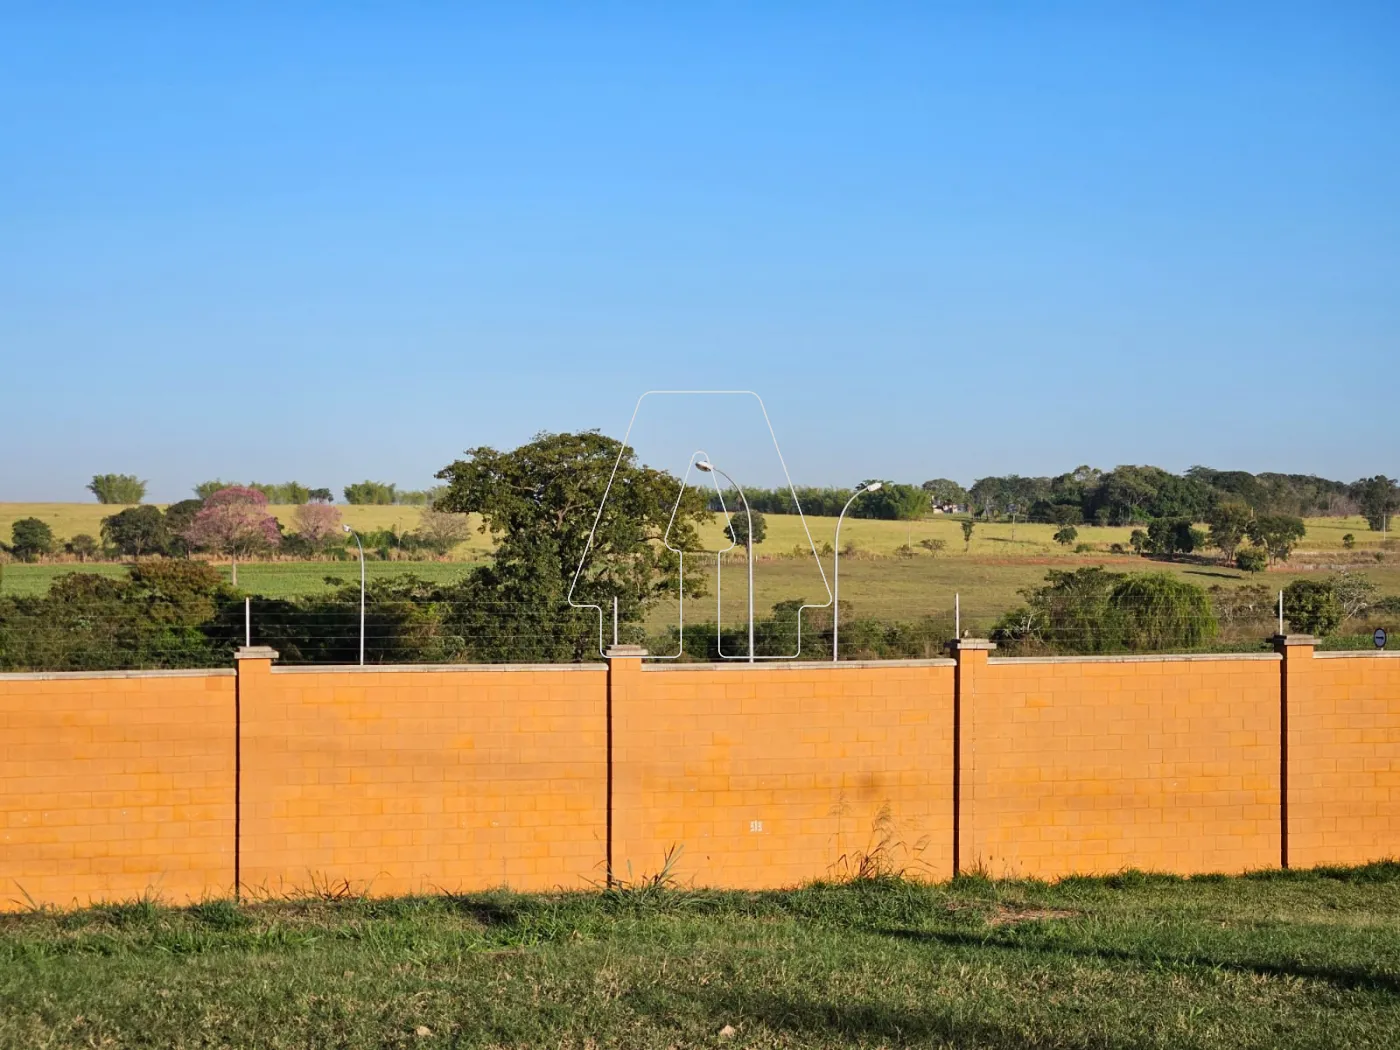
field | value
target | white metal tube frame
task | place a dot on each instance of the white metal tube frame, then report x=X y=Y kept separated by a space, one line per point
x=874 y=486
x=598 y=517
x=360 y=545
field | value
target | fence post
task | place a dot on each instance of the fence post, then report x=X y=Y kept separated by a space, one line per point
x=624 y=689
x=971 y=655
x=254 y=670
x=1297 y=652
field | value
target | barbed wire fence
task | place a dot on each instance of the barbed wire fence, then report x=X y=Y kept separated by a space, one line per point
x=407 y=630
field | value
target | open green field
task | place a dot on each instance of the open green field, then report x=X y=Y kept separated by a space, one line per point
x=278 y=579
x=1002 y=560
x=1297 y=960
x=990 y=540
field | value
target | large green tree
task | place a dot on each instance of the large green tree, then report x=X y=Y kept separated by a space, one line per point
x=137 y=531
x=540 y=501
x=1229 y=524
x=945 y=492
x=1278 y=534
x=30 y=538
x=1379 y=498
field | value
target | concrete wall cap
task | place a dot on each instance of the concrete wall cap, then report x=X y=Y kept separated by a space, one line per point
x=971 y=643
x=255 y=652
x=795 y=665
x=629 y=652
x=1293 y=639
x=63 y=676
x=1133 y=658
x=431 y=668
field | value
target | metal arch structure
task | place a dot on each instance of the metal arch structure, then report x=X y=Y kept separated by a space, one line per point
x=602 y=503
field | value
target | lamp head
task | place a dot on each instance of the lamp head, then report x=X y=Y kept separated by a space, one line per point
x=705 y=465
x=874 y=486
x=346 y=528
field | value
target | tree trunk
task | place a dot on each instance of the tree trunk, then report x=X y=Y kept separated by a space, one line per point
x=233 y=561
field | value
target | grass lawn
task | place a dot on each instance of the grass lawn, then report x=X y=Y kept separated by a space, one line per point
x=908 y=588
x=1297 y=960
x=281 y=579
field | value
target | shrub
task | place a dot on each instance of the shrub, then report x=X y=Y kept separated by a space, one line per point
x=440 y=530
x=1251 y=559
x=934 y=547
x=1083 y=548
x=83 y=546
x=1311 y=606
x=1160 y=612
x=1067 y=535
x=1093 y=611
x=1349 y=541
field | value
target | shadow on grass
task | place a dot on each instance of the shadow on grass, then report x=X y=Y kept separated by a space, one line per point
x=1346 y=979
x=859 y=1022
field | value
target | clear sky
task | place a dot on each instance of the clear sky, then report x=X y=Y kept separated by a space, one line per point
x=350 y=240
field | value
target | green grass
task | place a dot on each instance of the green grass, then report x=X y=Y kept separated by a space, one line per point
x=280 y=579
x=1293 y=960
x=907 y=588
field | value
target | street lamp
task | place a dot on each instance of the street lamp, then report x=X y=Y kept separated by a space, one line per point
x=352 y=532
x=706 y=466
x=874 y=486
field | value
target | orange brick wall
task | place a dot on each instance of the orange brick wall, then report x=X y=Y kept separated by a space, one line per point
x=115 y=786
x=1344 y=758
x=783 y=774
x=421 y=779
x=1084 y=765
x=411 y=780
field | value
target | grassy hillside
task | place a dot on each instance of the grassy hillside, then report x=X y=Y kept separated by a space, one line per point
x=1001 y=562
x=995 y=540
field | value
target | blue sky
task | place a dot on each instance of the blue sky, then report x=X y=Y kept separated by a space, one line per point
x=345 y=241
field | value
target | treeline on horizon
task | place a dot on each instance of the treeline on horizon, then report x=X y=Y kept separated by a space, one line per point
x=128 y=489
x=1126 y=495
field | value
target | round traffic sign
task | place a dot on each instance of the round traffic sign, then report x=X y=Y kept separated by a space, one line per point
x=1379 y=637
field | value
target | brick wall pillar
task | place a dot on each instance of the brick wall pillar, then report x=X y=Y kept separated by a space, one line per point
x=971 y=655
x=624 y=777
x=254 y=666
x=1294 y=696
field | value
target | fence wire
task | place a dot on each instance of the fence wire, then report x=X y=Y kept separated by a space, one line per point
x=409 y=630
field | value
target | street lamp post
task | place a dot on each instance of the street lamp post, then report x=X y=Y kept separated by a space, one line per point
x=352 y=532
x=707 y=466
x=874 y=486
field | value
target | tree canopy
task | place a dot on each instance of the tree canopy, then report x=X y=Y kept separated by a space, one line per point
x=137 y=531
x=117 y=488
x=540 y=501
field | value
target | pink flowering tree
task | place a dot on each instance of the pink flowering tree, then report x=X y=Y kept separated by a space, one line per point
x=317 y=523
x=234 y=521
